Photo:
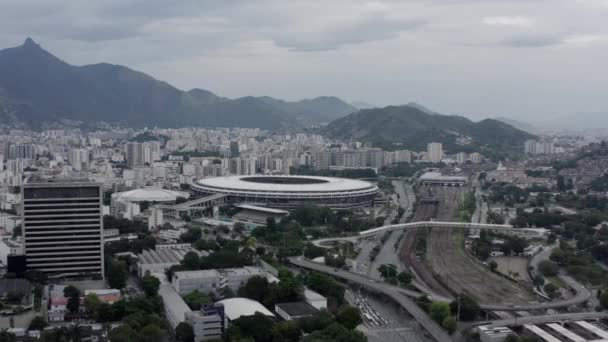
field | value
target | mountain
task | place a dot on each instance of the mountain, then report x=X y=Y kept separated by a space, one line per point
x=362 y=105
x=320 y=109
x=37 y=87
x=410 y=127
x=524 y=126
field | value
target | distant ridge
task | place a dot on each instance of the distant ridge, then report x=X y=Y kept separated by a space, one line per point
x=37 y=87
x=411 y=127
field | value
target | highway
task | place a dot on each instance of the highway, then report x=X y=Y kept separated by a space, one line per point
x=391 y=291
x=454 y=225
x=582 y=293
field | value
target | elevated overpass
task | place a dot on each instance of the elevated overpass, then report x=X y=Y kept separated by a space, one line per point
x=443 y=224
x=427 y=224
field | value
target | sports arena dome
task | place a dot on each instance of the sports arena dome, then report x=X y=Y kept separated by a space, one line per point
x=286 y=192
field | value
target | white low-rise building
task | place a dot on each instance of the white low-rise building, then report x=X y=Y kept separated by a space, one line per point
x=208 y=281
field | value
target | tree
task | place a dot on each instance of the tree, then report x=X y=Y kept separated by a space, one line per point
x=92 y=303
x=150 y=285
x=405 y=278
x=449 y=324
x=604 y=300
x=256 y=288
x=70 y=291
x=317 y=321
x=117 y=274
x=350 y=317
x=424 y=303
x=38 y=323
x=440 y=311
x=152 y=333
x=551 y=290
x=286 y=332
x=196 y=300
x=191 y=261
x=469 y=308
x=387 y=271
x=73 y=303
x=123 y=333
x=547 y=268
x=493 y=266
x=184 y=332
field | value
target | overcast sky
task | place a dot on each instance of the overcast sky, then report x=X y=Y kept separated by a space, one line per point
x=526 y=59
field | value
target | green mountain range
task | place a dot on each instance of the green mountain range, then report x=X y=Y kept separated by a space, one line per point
x=412 y=127
x=37 y=87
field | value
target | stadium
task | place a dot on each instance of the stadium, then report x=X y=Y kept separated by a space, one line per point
x=288 y=192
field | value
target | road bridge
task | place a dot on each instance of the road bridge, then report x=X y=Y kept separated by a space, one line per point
x=543 y=319
x=443 y=224
x=582 y=293
x=393 y=292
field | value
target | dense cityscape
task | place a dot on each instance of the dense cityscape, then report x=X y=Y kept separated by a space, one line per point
x=303 y=171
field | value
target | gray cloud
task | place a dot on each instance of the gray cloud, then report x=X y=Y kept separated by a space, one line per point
x=527 y=41
x=436 y=52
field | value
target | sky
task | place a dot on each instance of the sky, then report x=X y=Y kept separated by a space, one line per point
x=533 y=60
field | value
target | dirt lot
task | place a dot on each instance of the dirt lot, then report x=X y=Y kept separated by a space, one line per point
x=516 y=267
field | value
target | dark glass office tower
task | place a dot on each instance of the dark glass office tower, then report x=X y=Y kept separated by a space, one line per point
x=63 y=227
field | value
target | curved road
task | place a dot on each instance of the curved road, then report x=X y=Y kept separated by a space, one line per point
x=582 y=294
x=391 y=291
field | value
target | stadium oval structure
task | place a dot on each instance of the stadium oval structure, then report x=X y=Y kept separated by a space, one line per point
x=288 y=192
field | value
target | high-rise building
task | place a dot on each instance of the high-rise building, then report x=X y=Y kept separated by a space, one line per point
x=79 y=158
x=135 y=154
x=63 y=227
x=434 y=152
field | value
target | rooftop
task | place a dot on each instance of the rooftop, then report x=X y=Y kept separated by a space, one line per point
x=263 y=209
x=151 y=195
x=239 y=307
x=297 y=309
x=285 y=183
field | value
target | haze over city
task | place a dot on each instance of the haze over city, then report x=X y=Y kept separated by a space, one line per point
x=533 y=60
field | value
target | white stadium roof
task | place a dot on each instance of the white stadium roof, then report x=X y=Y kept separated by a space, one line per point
x=151 y=195
x=307 y=184
x=239 y=307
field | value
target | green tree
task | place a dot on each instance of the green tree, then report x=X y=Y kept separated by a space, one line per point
x=286 y=332
x=604 y=300
x=256 y=288
x=117 y=274
x=73 y=304
x=449 y=324
x=70 y=291
x=38 y=323
x=191 y=261
x=469 y=308
x=150 y=285
x=405 y=278
x=184 y=332
x=350 y=317
x=551 y=290
x=547 y=268
x=196 y=300
x=152 y=333
x=440 y=311
x=387 y=271
x=123 y=333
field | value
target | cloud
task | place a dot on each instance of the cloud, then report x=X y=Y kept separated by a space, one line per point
x=514 y=21
x=532 y=41
x=585 y=39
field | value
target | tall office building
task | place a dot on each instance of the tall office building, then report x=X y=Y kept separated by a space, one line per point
x=63 y=227
x=434 y=152
x=135 y=154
